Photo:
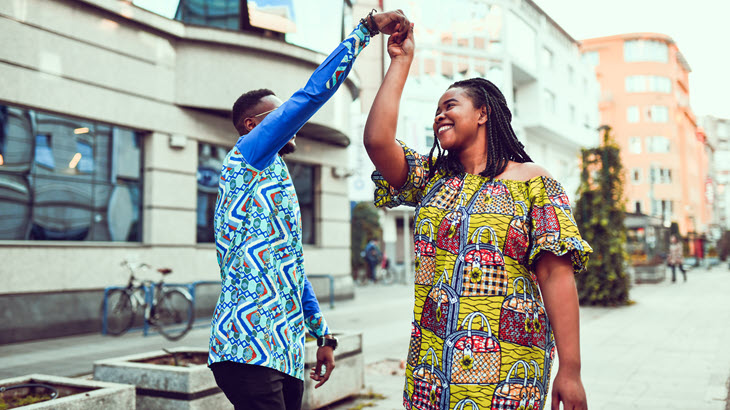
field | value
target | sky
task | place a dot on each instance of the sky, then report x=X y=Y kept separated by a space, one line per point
x=701 y=29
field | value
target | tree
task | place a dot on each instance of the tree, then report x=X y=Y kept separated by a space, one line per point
x=600 y=217
x=365 y=225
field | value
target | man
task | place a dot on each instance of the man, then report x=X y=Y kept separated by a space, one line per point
x=257 y=336
x=373 y=257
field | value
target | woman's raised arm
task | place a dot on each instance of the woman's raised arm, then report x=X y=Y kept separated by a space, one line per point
x=379 y=137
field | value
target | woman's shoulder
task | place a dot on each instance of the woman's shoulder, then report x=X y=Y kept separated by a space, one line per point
x=525 y=171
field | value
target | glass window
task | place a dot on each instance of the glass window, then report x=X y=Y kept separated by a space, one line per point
x=547 y=58
x=658 y=144
x=635 y=84
x=646 y=50
x=660 y=84
x=571 y=74
x=592 y=57
x=303 y=176
x=636 y=175
x=632 y=114
x=635 y=145
x=218 y=13
x=549 y=98
x=658 y=113
x=60 y=178
x=210 y=163
x=637 y=207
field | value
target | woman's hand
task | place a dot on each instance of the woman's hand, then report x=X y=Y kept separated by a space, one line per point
x=402 y=45
x=391 y=22
x=568 y=389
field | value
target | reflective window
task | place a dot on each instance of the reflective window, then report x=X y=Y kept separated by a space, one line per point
x=646 y=50
x=64 y=178
x=215 y=13
x=658 y=144
x=632 y=114
x=635 y=145
x=592 y=57
x=652 y=83
x=303 y=176
x=210 y=162
x=658 y=113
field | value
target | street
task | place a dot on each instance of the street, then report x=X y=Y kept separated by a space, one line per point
x=666 y=351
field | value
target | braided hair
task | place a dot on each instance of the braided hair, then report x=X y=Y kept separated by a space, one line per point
x=502 y=143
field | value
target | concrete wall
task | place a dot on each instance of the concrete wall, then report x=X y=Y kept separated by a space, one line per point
x=109 y=61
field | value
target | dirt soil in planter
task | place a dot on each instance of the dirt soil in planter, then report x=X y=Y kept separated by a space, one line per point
x=26 y=396
x=184 y=359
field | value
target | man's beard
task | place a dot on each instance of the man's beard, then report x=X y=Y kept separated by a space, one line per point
x=288 y=148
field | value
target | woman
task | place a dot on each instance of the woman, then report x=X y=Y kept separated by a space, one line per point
x=496 y=249
x=675 y=258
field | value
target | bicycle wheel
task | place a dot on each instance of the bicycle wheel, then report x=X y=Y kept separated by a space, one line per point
x=387 y=276
x=119 y=312
x=174 y=314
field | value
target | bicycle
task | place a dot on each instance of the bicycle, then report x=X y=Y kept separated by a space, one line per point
x=169 y=310
x=384 y=273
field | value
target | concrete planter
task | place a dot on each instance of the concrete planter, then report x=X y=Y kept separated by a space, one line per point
x=77 y=394
x=347 y=379
x=165 y=386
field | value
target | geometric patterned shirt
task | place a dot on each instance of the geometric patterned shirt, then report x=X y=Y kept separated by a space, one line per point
x=266 y=300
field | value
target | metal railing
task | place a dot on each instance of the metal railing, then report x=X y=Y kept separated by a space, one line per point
x=332 y=285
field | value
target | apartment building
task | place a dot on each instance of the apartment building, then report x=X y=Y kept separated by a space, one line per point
x=645 y=99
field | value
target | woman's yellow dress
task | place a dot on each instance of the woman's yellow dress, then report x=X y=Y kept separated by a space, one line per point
x=480 y=335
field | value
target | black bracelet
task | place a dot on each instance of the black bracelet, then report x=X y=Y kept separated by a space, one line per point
x=374 y=29
x=371 y=26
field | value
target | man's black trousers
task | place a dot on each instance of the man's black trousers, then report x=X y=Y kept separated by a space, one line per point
x=253 y=387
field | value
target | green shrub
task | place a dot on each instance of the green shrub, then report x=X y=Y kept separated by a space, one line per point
x=600 y=217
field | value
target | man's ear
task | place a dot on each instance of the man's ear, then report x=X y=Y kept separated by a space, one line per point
x=249 y=123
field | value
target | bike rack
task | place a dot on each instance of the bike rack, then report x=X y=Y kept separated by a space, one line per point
x=147 y=299
x=191 y=288
x=332 y=285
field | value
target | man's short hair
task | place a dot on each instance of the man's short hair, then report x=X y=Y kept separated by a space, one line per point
x=244 y=105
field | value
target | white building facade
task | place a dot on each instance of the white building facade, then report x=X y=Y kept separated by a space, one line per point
x=114 y=122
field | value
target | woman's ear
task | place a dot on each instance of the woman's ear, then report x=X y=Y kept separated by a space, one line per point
x=484 y=113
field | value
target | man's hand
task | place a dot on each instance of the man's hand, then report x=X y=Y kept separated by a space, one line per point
x=391 y=22
x=568 y=388
x=326 y=358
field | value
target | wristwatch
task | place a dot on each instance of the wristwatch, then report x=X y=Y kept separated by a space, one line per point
x=327 y=341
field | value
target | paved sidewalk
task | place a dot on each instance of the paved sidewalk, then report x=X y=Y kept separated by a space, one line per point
x=667 y=351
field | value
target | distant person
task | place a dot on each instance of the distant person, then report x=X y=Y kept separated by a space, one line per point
x=676 y=258
x=373 y=257
x=267 y=303
x=496 y=249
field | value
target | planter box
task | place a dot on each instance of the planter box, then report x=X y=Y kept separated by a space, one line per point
x=346 y=380
x=165 y=386
x=650 y=273
x=77 y=394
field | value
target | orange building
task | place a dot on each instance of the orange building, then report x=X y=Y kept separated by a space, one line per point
x=645 y=99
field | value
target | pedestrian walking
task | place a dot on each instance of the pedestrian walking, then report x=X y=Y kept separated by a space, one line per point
x=496 y=247
x=267 y=303
x=373 y=257
x=676 y=258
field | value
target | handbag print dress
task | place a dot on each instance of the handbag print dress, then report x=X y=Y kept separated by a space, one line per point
x=480 y=333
